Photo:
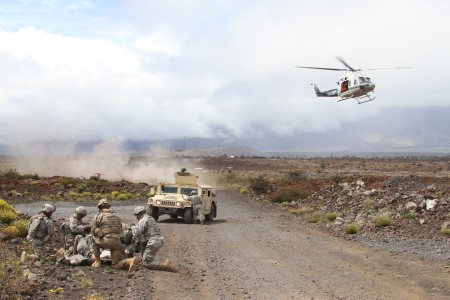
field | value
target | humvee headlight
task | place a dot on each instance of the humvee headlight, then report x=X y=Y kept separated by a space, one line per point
x=178 y=204
x=158 y=202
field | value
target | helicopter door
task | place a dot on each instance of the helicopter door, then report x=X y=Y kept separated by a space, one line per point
x=344 y=86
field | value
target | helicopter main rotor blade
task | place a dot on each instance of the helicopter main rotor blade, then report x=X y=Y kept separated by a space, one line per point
x=373 y=69
x=346 y=64
x=329 y=69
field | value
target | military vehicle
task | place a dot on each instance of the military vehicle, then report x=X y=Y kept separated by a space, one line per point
x=173 y=199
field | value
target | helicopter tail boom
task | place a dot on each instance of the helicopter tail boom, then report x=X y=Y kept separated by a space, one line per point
x=329 y=93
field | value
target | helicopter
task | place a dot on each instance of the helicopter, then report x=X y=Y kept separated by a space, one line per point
x=354 y=85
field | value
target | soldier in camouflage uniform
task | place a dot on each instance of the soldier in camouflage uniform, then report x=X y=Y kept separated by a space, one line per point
x=106 y=227
x=151 y=240
x=40 y=231
x=75 y=230
x=197 y=207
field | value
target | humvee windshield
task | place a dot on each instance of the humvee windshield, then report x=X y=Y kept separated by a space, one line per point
x=169 y=189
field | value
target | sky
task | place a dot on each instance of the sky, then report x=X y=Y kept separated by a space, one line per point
x=116 y=70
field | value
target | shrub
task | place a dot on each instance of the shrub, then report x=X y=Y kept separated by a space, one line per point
x=12 y=174
x=67 y=181
x=22 y=227
x=259 y=184
x=297 y=175
x=409 y=215
x=7 y=216
x=296 y=211
x=11 y=231
x=383 y=220
x=91 y=182
x=137 y=195
x=352 y=228
x=445 y=231
x=331 y=216
x=86 y=194
x=94 y=297
x=10 y=274
x=81 y=188
x=243 y=191
x=316 y=217
x=368 y=204
x=122 y=196
x=85 y=282
x=114 y=194
x=5 y=205
x=290 y=195
x=97 y=196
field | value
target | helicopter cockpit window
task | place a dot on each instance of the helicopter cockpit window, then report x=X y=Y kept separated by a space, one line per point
x=362 y=79
x=367 y=79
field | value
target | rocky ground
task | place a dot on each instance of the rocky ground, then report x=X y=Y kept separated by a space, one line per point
x=413 y=194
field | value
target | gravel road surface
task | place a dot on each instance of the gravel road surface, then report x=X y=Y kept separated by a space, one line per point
x=253 y=251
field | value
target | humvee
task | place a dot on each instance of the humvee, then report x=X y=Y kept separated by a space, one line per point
x=173 y=199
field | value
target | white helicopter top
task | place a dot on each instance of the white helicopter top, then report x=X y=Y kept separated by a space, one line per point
x=354 y=85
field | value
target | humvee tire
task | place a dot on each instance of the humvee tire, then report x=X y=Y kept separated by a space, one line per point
x=155 y=213
x=188 y=216
x=212 y=214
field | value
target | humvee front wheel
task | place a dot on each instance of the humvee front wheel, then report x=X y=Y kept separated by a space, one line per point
x=154 y=212
x=188 y=216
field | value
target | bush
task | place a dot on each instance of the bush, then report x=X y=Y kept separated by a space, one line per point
x=12 y=174
x=296 y=211
x=122 y=196
x=297 y=175
x=67 y=181
x=243 y=191
x=259 y=184
x=290 y=195
x=7 y=216
x=5 y=205
x=383 y=220
x=11 y=231
x=331 y=216
x=316 y=217
x=352 y=228
x=22 y=227
x=97 y=196
x=91 y=182
x=114 y=194
x=368 y=204
x=445 y=231
x=409 y=215
x=11 y=274
x=85 y=282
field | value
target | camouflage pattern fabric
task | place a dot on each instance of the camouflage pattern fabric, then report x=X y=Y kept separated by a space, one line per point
x=148 y=234
x=40 y=231
x=197 y=207
x=75 y=227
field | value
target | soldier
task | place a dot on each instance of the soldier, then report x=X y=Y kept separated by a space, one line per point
x=151 y=240
x=75 y=230
x=40 y=231
x=106 y=228
x=197 y=207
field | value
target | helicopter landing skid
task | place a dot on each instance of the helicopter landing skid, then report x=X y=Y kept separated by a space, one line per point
x=361 y=99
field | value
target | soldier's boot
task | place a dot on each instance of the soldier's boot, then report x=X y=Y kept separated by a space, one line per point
x=128 y=263
x=167 y=266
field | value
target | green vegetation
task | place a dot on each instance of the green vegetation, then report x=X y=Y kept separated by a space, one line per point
x=85 y=282
x=297 y=175
x=5 y=205
x=316 y=217
x=352 y=228
x=67 y=181
x=445 y=231
x=331 y=216
x=94 y=297
x=259 y=184
x=7 y=216
x=383 y=220
x=22 y=227
x=368 y=204
x=11 y=231
x=243 y=191
x=11 y=274
x=409 y=215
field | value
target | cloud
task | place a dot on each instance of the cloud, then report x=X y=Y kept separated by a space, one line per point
x=144 y=70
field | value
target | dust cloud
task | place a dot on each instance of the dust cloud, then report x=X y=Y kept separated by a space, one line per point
x=109 y=160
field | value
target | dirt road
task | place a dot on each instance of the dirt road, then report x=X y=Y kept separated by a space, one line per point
x=257 y=252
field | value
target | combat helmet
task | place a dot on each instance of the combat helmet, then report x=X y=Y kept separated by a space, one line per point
x=193 y=192
x=48 y=208
x=138 y=210
x=103 y=202
x=81 y=211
